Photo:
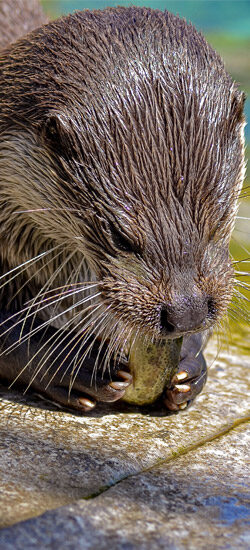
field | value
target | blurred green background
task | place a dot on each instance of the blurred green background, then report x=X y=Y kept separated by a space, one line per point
x=226 y=25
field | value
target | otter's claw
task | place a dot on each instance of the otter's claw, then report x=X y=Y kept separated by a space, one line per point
x=86 y=404
x=126 y=376
x=180 y=376
x=122 y=385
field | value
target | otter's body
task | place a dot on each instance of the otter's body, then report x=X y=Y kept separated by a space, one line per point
x=121 y=162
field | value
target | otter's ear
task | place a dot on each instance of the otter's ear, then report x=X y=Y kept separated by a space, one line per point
x=237 y=107
x=56 y=133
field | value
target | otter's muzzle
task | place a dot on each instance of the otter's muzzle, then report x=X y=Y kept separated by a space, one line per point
x=187 y=314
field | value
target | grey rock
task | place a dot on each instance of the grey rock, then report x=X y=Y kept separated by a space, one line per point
x=50 y=459
x=199 y=500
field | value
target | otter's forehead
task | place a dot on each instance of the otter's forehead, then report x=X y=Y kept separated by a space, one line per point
x=95 y=56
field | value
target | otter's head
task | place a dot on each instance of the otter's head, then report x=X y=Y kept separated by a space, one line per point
x=125 y=124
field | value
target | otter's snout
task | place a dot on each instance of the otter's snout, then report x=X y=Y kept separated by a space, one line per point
x=187 y=314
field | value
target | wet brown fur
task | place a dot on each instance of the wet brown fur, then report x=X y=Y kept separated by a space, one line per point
x=122 y=122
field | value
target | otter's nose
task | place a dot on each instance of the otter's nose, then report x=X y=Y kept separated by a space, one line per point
x=187 y=314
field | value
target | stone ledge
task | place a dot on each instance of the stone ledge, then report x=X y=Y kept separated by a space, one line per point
x=198 y=503
x=50 y=459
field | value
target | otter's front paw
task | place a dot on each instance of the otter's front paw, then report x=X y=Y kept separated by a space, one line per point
x=84 y=398
x=187 y=383
x=70 y=376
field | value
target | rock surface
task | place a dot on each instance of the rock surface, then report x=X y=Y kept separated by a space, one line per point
x=129 y=478
x=201 y=502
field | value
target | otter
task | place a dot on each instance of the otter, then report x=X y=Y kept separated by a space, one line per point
x=121 y=164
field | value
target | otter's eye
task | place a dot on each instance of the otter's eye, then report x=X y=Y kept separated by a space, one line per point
x=211 y=307
x=51 y=132
x=121 y=242
x=56 y=132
